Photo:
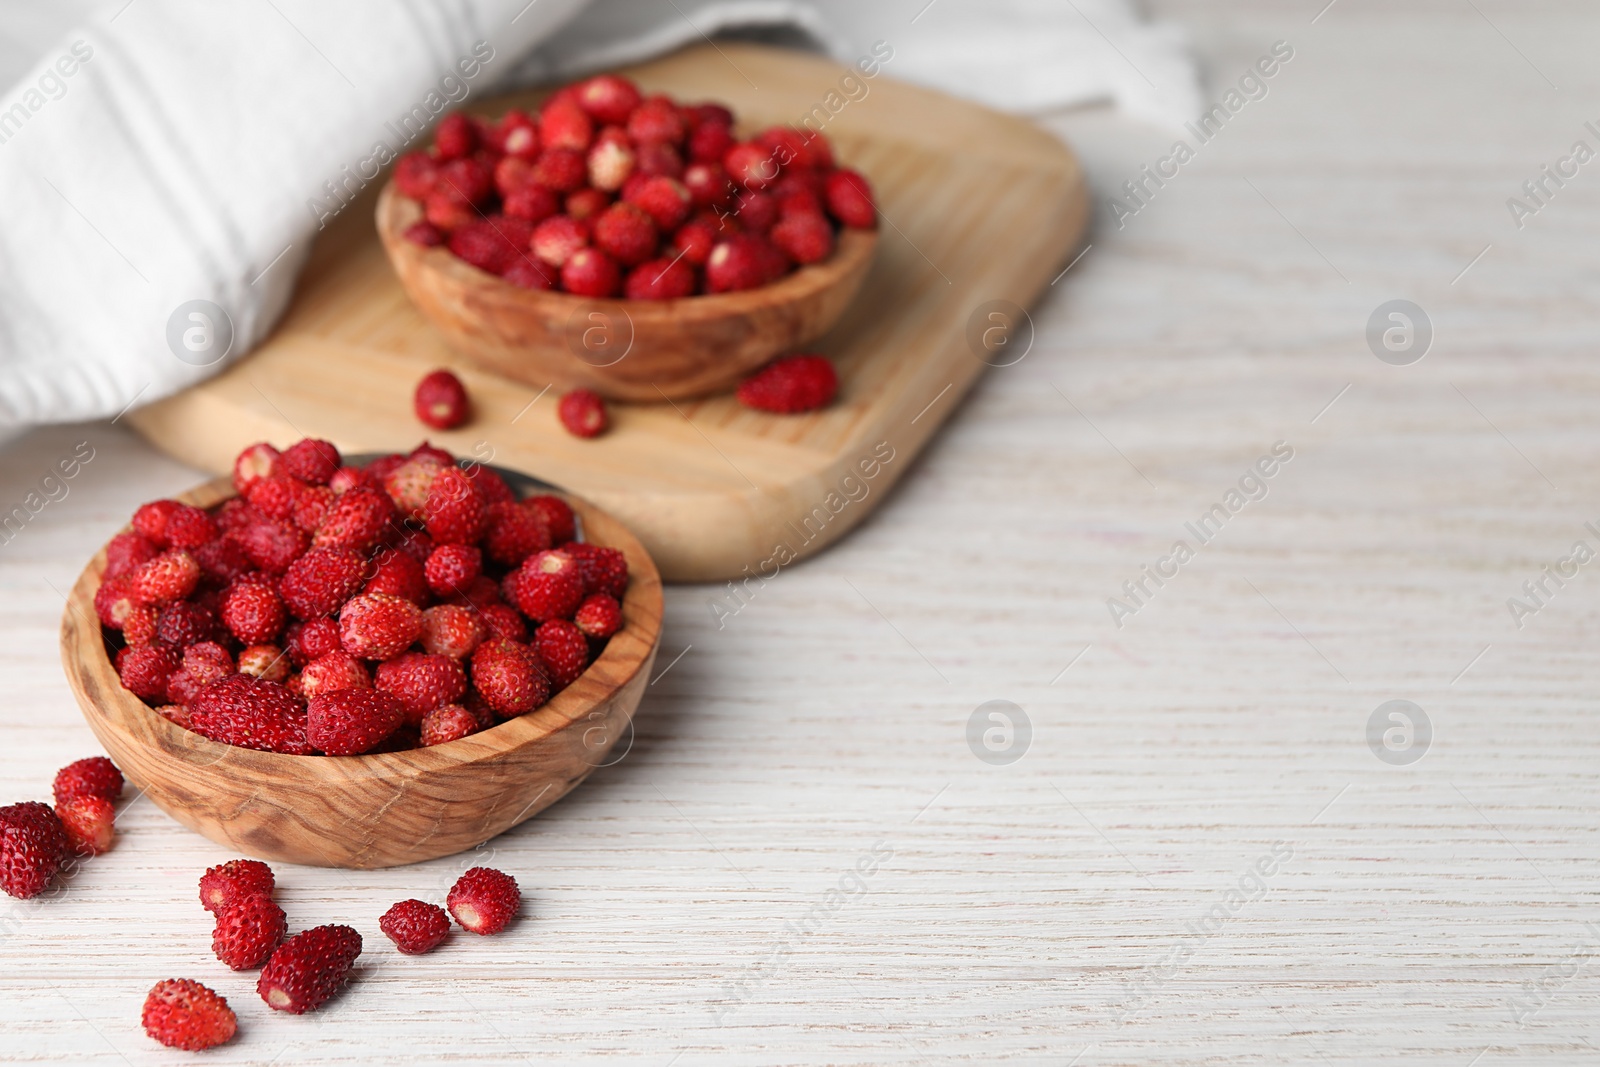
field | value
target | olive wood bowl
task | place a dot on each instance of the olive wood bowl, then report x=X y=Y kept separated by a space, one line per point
x=621 y=349
x=386 y=809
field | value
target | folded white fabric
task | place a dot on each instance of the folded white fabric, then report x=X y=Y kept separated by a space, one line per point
x=157 y=156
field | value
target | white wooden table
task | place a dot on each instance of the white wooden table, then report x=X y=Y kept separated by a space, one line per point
x=1072 y=906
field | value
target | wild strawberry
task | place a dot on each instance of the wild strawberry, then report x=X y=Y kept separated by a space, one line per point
x=421 y=681
x=694 y=241
x=470 y=179
x=264 y=661
x=235 y=514
x=142 y=624
x=561 y=170
x=599 y=616
x=272 y=545
x=850 y=200
x=710 y=142
x=311 y=640
x=659 y=159
x=94 y=776
x=415 y=927
x=177 y=714
x=253 y=464
x=604 y=570
x=509 y=676
x=491 y=487
x=150 y=520
x=126 y=551
x=626 y=233
x=222 y=560
x=805 y=237
x=250 y=713
x=455 y=136
x=274 y=496
x=357 y=519
x=311 y=506
x=583 y=413
x=453 y=568
x=424 y=233
x=408 y=484
x=184 y=1014
x=248 y=931
x=587 y=204
x=449 y=722
x=564 y=124
x=414 y=543
x=502 y=620
x=319 y=582
x=253 y=612
x=516 y=135
x=484 y=900
x=480 y=594
x=348 y=722
x=565 y=653
x=441 y=400
x=332 y=672
x=656 y=119
x=447 y=208
x=189 y=527
x=491 y=244
x=532 y=202
x=87 y=822
x=736 y=263
x=550 y=586
x=791 y=384
x=398 y=573
x=512 y=533
x=756 y=211
x=449 y=630
x=789 y=146
x=708 y=185
x=454 y=512
x=751 y=165
x=168 y=577
x=309 y=968
x=556 y=239
x=557 y=515
x=227 y=884
x=310 y=460
x=661 y=279
x=610 y=163
x=664 y=199
x=183 y=622
x=378 y=626
x=511 y=174
x=608 y=98
x=144 y=670
x=415 y=175
x=203 y=664
x=347 y=478
x=797 y=199
x=32 y=846
x=591 y=272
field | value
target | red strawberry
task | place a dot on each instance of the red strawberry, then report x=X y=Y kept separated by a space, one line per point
x=608 y=98
x=415 y=927
x=309 y=968
x=319 y=582
x=756 y=211
x=415 y=175
x=236 y=513
x=95 y=776
x=751 y=165
x=408 y=483
x=626 y=233
x=564 y=124
x=516 y=135
x=789 y=146
x=169 y=576
x=378 y=626
x=87 y=821
x=587 y=204
x=453 y=568
x=656 y=119
x=223 y=560
x=334 y=671
x=184 y=622
x=483 y=900
x=509 y=676
x=264 y=661
x=604 y=570
x=565 y=653
x=248 y=931
x=491 y=244
x=454 y=512
x=532 y=202
x=491 y=486
x=253 y=612
x=535 y=274
x=272 y=545
x=424 y=233
x=557 y=515
x=804 y=237
x=791 y=384
x=512 y=533
x=502 y=620
x=708 y=185
x=312 y=640
x=250 y=713
x=398 y=573
x=32 y=845
x=664 y=199
x=850 y=200
x=591 y=272
x=451 y=630
x=421 y=681
x=223 y=886
x=661 y=279
x=561 y=170
x=470 y=181
x=348 y=722
x=358 y=519
x=447 y=208
x=710 y=141
x=583 y=413
x=695 y=240
x=144 y=669
x=310 y=460
x=441 y=400
x=347 y=478
x=451 y=722
x=274 y=496
x=548 y=585
x=610 y=162
x=252 y=465
x=203 y=664
x=557 y=238
x=142 y=624
x=151 y=520
x=737 y=263
x=599 y=616
x=126 y=551
x=184 y=1014
x=189 y=527
x=455 y=136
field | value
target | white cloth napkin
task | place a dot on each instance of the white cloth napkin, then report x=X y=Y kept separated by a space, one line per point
x=157 y=156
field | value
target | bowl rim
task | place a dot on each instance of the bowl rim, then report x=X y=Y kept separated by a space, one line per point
x=627 y=652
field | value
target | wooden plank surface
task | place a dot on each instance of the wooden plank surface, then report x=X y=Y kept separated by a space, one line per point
x=976 y=206
x=1043 y=913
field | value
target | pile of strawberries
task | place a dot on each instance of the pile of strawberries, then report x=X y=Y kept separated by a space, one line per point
x=36 y=840
x=341 y=610
x=608 y=192
x=301 y=973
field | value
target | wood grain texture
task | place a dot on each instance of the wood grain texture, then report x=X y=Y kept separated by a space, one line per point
x=641 y=350
x=976 y=206
x=1040 y=913
x=380 y=810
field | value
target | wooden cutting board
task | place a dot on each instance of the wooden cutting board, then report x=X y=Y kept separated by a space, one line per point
x=977 y=206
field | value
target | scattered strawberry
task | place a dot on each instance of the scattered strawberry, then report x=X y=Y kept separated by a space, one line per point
x=377 y=626
x=309 y=968
x=790 y=385
x=583 y=413
x=599 y=616
x=184 y=1014
x=224 y=886
x=441 y=400
x=483 y=900
x=87 y=821
x=421 y=681
x=33 y=844
x=95 y=776
x=450 y=722
x=247 y=931
x=348 y=722
x=565 y=653
x=415 y=926
x=509 y=676
x=250 y=713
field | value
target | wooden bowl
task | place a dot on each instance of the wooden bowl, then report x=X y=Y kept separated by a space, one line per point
x=378 y=810
x=622 y=349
